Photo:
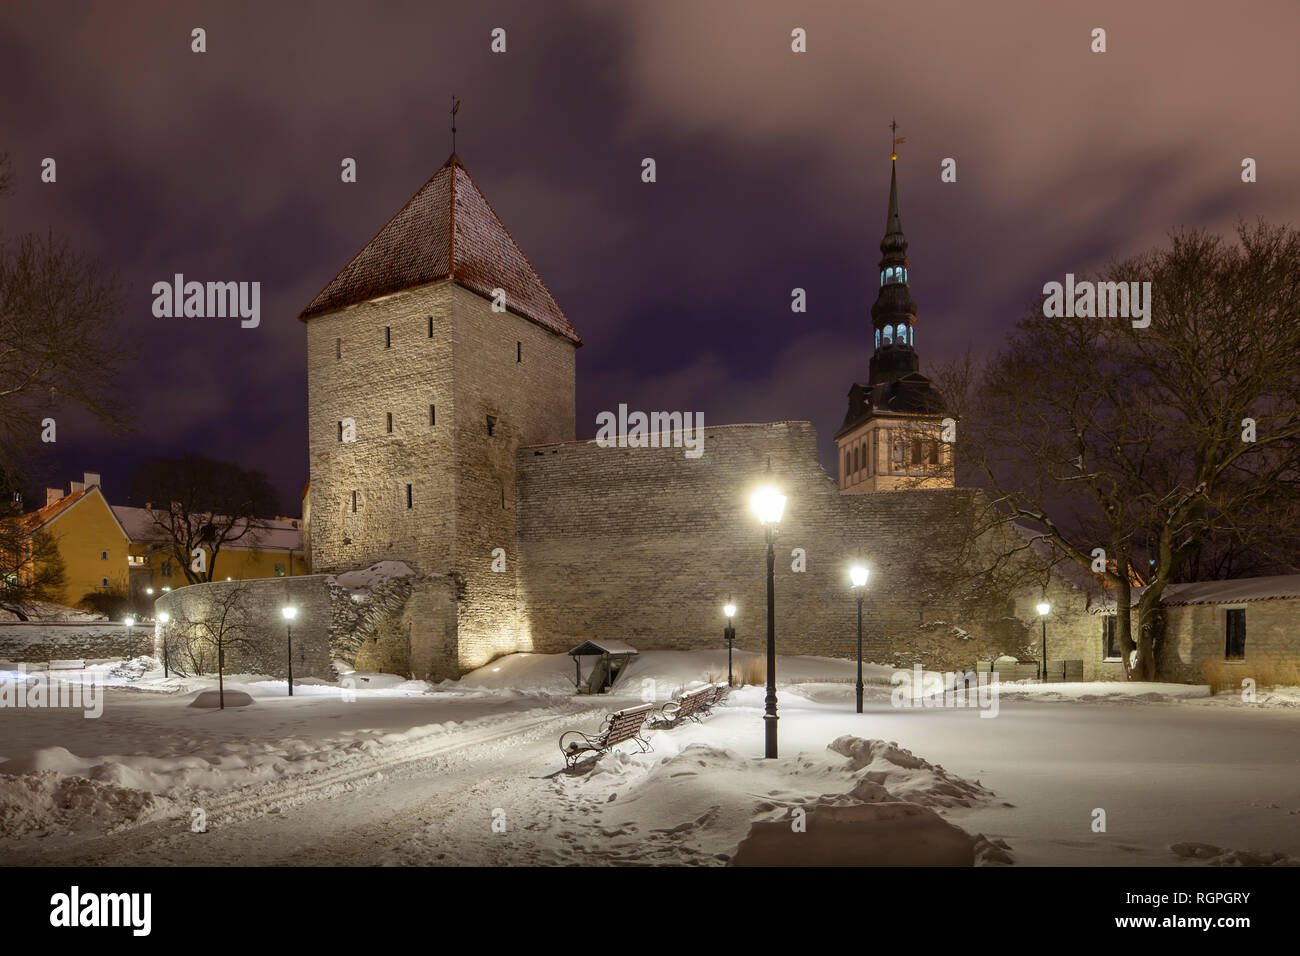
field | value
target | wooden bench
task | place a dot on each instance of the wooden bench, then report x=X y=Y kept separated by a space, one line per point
x=619 y=726
x=719 y=694
x=65 y=666
x=689 y=705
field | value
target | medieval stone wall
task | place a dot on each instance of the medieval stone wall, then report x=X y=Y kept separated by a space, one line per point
x=644 y=545
x=523 y=377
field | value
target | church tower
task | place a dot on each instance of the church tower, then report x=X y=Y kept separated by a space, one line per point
x=892 y=436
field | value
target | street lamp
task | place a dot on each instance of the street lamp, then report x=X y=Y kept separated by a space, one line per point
x=768 y=504
x=729 y=635
x=289 y=614
x=1043 y=610
x=858 y=575
x=163 y=618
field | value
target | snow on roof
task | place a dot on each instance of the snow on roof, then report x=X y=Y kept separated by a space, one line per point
x=361 y=583
x=277 y=535
x=602 y=647
x=1235 y=590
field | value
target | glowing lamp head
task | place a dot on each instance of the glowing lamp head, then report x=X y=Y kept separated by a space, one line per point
x=768 y=505
x=729 y=610
x=148 y=590
x=858 y=575
x=163 y=617
x=289 y=613
x=129 y=622
x=1043 y=608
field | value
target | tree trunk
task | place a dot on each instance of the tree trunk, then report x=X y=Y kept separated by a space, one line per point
x=1123 y=612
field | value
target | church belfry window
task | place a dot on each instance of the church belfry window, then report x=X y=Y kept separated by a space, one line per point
x=877 y=338
x=889 y=335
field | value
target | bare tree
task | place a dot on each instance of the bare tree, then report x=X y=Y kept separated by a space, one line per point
x=1132 y=449
x=58 y=336
x=198 y=503
x=201 y=636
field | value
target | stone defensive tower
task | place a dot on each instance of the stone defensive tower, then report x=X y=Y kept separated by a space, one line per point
x=432 y=356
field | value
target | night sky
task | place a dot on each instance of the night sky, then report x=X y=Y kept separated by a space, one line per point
x=773 y=172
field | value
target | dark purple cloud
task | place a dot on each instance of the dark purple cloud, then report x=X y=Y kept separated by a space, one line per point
x=772 y=169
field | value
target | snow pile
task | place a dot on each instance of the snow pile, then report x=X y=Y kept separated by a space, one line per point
x=858 y=802
x=906 y=776
x=359 y=584
x=135 y=668
x=47 y=801
x=217 y=698
x=1219 y=856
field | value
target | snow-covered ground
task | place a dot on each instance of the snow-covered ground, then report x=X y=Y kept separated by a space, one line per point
x=402 y=772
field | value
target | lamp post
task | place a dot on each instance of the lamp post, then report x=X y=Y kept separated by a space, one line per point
x=729 y=635
x=858 y=575
x=289 y=614
x=163 y=618
x=1043 y=609
x=768 y=504
x=130 y=623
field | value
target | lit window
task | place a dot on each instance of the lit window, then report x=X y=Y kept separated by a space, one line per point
x=889 y=335
x=911 y=334
x=902 y=334
x=877 y=338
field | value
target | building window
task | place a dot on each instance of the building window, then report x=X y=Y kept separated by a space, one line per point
x=492 y=424
x=354 y=501
x=916 y=451
x=889 y=335
x=388 y=337
x=433 y=417
x=103 y=555
x=103 y=582
x=390 y=423
x=519 y=351
x=430 y=326
x=1235 y=645
x=279 y=570
x=1110 y=639
x=408 y=496
x=338 y=349
x=877 y=338
x=901 y=337
x=847 y=461
x=340 y=431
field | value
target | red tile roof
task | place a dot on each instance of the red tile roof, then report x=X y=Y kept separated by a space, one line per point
x=43 y=516
x=446 y=230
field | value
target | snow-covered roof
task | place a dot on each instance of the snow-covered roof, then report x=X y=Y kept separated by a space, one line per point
x=602 y=647
x=1234 y=590
x=277 y=535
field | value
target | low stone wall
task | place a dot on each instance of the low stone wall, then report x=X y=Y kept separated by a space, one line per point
x=255 y=626
x=24 y=642
x=384 y=618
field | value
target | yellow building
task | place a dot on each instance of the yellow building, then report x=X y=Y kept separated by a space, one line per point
x=92 y=542
x=118 y=549
x=272 y=551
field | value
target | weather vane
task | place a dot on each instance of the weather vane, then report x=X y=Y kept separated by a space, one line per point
x=893 y=128
x=455 y=105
